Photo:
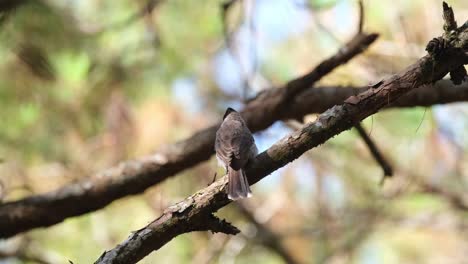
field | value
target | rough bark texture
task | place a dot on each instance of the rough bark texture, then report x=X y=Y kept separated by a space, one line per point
x=330 y=123
x=133 y=177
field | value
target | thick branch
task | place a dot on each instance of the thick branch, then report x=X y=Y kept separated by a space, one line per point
x=319 y=99
x=133 y=177
x=332 y=122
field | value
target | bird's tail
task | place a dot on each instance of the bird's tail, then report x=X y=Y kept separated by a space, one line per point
x=238 y=186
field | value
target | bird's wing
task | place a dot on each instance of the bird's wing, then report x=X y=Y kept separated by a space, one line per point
x=224 y=149
x=233 y=143
x=241 y=145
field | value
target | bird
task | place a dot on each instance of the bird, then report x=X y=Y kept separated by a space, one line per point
x=235 y=147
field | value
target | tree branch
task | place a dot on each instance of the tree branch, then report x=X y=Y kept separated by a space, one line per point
x=378 y=156
x=455 y=200
x=132 y=177
x=330 y=123
x=135 y=176
x=267 y=236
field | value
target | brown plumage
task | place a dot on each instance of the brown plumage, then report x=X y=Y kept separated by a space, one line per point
x=235 y=146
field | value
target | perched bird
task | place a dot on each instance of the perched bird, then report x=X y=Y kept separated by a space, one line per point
x=235 y=146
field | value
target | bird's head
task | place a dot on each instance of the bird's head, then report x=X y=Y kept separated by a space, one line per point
x=228 y=111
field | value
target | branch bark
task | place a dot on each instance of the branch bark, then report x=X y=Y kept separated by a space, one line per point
x=330 y=123
x=135 y=176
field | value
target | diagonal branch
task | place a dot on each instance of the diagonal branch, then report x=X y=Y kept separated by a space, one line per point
x=267 y=236
x=20 y=215
x=378 y=156
x=135 y=176
x=330 y=123
x=123 y=180
x=455 y=200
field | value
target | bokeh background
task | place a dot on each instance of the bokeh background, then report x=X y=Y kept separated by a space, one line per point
x=86 y=84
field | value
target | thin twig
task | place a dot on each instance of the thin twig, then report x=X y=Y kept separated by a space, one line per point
x=267 y=236
x=232 y=46
x=361 y=16
x=387 y=169
x=214 y=177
